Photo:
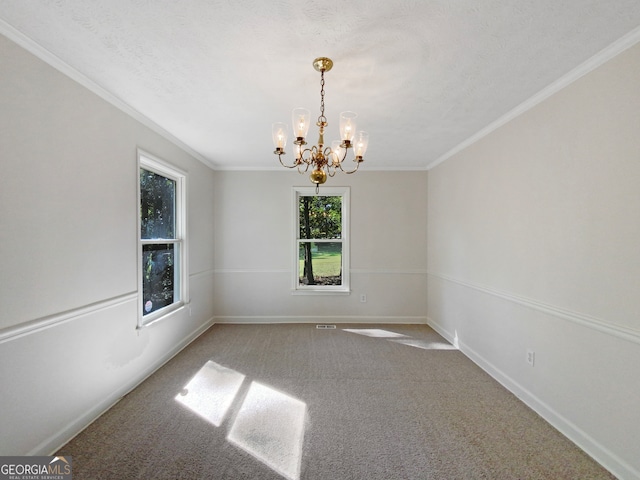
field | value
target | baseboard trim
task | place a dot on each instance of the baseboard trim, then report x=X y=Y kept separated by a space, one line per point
x=558 y=312
x=598 y=452
x=353 y=271
x=52 y=444
x=258 y=319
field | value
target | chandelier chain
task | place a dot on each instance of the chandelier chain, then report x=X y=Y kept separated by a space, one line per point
x=322 y=118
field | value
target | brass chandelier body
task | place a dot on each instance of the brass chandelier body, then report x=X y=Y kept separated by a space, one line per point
x=323 y=160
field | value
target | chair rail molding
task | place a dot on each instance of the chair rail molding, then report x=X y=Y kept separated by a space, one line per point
x=601 y=325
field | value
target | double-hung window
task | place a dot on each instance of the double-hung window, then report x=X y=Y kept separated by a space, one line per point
x=162 y=245
x=321 y=230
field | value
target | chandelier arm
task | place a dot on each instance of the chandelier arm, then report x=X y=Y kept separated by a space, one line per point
x=344 y=157
x=358 y=162
x=283 y=164
x=300 y=160
x=328 y=153
x=301 y=163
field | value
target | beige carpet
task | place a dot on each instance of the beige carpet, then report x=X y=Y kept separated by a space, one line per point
x=293 y=401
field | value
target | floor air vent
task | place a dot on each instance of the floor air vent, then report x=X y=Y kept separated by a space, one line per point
x=325 y=327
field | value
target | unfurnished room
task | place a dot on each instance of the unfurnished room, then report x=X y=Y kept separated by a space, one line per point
x=302 y=240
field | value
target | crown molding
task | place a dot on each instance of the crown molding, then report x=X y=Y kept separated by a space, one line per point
x=581 y=70
x=56 y=62
x=278 y=168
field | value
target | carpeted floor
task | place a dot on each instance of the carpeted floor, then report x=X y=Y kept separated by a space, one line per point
x=297 y=402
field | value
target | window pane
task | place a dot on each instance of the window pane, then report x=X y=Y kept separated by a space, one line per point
x=158 y=274
x=320 y=263
x=320 y=217
x=157 y=206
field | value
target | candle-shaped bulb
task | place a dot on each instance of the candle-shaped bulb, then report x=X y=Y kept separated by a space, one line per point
x=279 y=132
x=300 y=118
x=361 y=143
x=347 y=126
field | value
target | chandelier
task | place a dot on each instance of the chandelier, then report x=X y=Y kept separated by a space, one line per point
x=323 y=160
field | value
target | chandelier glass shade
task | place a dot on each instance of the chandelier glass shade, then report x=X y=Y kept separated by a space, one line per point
x=323 y=160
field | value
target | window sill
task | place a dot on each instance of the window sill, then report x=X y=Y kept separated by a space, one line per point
x=320 y=291
x=160 y=315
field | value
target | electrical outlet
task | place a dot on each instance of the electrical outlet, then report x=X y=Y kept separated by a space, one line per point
x=531 y=357
x=363 y=298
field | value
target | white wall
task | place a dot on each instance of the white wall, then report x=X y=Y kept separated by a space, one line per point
x=254 y=243
x=69 y=347
x=534 y=243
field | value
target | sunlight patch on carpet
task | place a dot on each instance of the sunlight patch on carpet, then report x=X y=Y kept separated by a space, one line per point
x=270 y=426
x=401 y=339
x=425 y=345
x=374 y=332
x=211 y=392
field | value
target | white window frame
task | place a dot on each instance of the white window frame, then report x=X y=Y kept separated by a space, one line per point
x=181 y=279
x=344 y=289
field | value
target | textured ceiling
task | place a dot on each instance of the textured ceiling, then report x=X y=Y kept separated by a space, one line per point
x=423 y=75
